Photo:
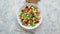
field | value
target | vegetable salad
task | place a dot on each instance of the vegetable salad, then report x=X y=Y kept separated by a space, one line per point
x=29 y=15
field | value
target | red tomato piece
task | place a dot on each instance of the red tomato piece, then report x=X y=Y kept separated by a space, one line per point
x=36 y=22
x=26 y=23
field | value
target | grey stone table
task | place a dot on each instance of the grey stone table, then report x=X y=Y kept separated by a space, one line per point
x=51 y=17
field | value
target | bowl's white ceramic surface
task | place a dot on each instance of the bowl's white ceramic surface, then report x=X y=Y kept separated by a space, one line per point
x=26 y=27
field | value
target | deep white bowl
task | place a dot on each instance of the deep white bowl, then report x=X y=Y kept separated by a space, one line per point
x=25 y=27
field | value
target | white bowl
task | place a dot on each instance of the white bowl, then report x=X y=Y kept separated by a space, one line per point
x=25 y=27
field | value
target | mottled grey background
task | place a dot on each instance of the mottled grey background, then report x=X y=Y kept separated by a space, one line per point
x=51 y=16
